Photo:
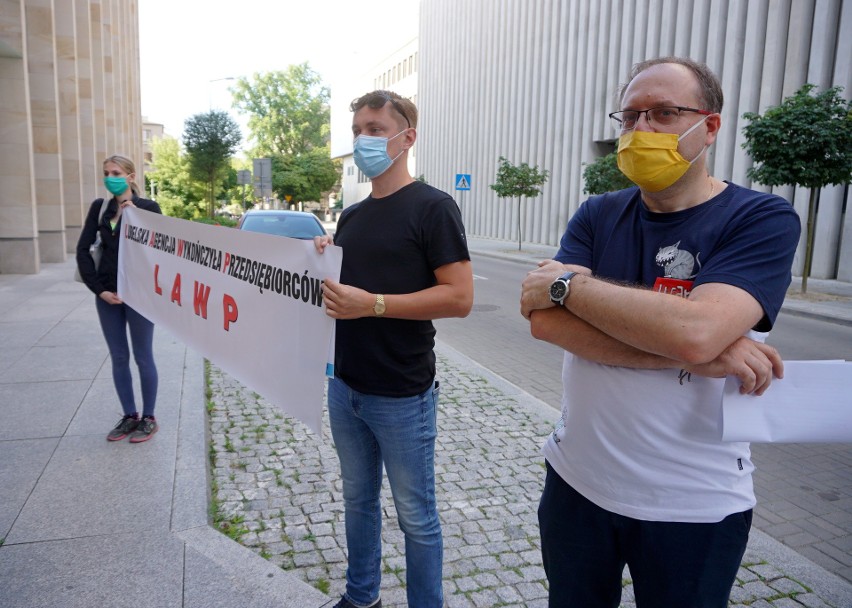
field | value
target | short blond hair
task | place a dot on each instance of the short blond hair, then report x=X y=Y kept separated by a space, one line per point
x=401 y=105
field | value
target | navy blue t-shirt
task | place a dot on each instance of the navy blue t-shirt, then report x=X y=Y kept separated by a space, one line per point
x=393 y=245
x=739 y=237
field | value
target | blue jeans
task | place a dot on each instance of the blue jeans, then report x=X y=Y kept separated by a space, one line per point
x=370 y=431
x=585 y=547
x=115 y=319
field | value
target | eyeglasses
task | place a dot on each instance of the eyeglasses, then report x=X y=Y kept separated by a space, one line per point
x=379 y=100
x=663 y=116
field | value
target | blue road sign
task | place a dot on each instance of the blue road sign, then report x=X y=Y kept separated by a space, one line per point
x=462 y=181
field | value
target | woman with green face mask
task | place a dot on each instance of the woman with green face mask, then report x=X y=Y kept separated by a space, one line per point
x=103 y=226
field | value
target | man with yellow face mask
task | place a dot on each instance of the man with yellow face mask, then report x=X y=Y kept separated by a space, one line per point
x=657 y=293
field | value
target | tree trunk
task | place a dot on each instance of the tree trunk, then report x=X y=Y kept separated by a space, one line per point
x=209 y=200
x=809 y=240
x=520 y=236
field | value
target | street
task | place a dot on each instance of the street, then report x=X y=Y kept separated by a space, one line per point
x=804 y=491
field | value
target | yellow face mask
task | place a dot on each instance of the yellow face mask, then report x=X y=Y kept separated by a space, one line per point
x=651 y=160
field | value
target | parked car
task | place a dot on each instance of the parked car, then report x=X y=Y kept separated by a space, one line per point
x=283 y=222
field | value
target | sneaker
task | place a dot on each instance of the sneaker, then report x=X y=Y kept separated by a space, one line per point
x=344 y=603
x=146 y=429
x=124 y=427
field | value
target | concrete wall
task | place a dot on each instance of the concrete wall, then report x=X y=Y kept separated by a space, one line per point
x=533 y=80
x=69 y=97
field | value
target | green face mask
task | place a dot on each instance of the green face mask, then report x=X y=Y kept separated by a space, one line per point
x=116 y=185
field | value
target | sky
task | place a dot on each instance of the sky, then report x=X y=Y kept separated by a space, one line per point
x=189 y=47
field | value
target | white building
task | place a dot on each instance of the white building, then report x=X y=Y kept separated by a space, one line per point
x=533 y=80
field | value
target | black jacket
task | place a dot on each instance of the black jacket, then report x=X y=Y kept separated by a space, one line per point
x=105 y=278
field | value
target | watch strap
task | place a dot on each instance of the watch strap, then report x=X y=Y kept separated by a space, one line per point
x=379 y=306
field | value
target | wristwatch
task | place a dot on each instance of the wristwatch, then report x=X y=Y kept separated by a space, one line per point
x=379 y=306
x=560 y=288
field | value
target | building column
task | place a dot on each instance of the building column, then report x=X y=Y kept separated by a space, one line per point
x=19 y=247
x=69 y=119
x=89 y=162
x=41 y=65
x=98 y=66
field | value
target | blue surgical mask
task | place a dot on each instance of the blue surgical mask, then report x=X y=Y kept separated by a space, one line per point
x=371 y=154
x=116 y=185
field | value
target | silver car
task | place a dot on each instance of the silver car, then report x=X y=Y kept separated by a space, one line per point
x=283 y=222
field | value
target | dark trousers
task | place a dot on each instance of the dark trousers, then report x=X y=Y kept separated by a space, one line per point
x=115 y=320
x=672 y=564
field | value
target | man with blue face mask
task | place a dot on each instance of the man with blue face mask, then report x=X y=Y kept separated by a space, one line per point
x=656 y=294
x=405 y=263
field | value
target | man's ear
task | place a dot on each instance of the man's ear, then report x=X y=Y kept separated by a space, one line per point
x=410 y=137
x=714 y=124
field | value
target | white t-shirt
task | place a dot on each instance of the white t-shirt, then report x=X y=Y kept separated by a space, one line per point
x=647 y=444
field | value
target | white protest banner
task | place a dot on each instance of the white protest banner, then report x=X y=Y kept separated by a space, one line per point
x=249 y=302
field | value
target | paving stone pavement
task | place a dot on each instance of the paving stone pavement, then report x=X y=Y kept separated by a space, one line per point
x=276 y=489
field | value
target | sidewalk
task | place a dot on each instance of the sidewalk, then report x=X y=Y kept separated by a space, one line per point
x=84 y=522
x=88 y=523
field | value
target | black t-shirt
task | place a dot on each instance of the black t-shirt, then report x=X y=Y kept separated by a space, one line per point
x=393 y=245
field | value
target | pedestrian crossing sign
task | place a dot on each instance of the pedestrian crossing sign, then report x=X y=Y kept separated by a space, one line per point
x=462 y=181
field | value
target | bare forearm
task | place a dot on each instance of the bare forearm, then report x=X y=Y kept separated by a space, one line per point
x=753 y=363
x=438 y=302
x=451 y=296
x=695 y=329
x=564 y=329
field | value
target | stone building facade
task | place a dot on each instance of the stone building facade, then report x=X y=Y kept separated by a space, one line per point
x=69 y=97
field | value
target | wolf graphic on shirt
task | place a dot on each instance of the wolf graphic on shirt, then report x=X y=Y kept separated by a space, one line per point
x=677 y=263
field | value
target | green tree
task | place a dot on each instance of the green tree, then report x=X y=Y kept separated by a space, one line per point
x=518 y=181
x=176 y=192
x=304 y=177
x=288 y=110
x=603 y=175
x=290 y=122
x=806 y=141
x=211 y=139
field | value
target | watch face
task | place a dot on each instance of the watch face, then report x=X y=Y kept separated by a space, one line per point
x=558 y=290
x=379 y=306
